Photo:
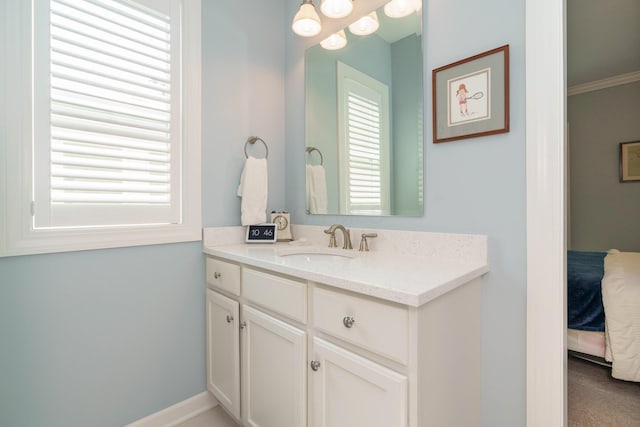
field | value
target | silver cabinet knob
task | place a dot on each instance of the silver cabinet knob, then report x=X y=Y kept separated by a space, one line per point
x=217 y=275
x=348 y=321
x=315 y=365
x=229 y=318
x=243 y=325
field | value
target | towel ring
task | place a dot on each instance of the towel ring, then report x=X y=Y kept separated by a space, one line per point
x=311 y=149
x=252 y=140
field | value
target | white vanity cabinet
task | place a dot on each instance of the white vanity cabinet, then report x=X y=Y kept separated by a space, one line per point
x=257 y=345
x=314 y=355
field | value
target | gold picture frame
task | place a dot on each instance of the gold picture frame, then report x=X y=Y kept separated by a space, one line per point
x=630 y=161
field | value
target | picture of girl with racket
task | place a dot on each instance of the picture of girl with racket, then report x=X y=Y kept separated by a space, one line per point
x=461 y=94
x=468 y=98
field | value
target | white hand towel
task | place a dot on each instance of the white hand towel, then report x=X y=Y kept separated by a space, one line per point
x=253 y=190
x=316 y=189
x=307 y=171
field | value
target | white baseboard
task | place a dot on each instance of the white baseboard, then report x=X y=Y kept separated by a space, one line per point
x=179 y=412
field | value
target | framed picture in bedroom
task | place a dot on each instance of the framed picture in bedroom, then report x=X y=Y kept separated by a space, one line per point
x=630 y=161
x=471 y=96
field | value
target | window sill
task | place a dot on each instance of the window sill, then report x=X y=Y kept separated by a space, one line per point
x=69 y=240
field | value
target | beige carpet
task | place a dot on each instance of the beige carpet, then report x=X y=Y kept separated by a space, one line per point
x=595 y=399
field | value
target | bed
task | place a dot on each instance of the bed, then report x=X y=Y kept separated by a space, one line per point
x=585 y=311
x=603 y=309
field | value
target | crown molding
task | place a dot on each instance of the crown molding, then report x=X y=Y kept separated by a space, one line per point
x=604 y=83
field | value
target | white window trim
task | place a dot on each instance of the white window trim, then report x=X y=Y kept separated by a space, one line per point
x=17 y=236
x=346 y=72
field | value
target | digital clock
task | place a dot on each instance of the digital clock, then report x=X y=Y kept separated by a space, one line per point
x=261 y=233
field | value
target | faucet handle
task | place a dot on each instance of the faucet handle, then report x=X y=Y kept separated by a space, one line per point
x=364 y=245
x=332 y=237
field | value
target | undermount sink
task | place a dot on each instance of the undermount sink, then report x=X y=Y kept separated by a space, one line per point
x=316 y=254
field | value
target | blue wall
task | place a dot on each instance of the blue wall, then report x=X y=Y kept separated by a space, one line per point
x=103 y=338
x=471 y=186
x=242 y=95
x=100 y=338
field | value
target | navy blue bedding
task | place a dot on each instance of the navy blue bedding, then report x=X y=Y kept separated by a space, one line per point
x=584 y=290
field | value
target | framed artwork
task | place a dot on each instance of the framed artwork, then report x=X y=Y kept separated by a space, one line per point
x=630 y=161
x=471 y=96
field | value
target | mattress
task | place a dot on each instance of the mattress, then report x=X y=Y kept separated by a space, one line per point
x=621 y=297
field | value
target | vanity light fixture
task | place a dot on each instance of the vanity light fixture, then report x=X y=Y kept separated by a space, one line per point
x=399 y=8
x=366 y=25
x=335 y=41
x=306 y=23
x=336 y=8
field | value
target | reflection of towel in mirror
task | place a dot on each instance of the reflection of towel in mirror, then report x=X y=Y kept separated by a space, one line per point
x=316 y=189
x=253 y=190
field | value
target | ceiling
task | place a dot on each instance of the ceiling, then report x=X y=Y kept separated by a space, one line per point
x=603 y=39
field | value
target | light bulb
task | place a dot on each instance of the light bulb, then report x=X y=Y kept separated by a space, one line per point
x=399 y=8
x=336 y=8
x=335 y=41
x=306 y=23
x=366 y=25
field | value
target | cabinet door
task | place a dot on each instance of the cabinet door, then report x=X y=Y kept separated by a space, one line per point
x=349 y=390
x=273 y=372
x=223 y=351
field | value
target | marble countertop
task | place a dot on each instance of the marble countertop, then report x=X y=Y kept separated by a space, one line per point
x=406 y=279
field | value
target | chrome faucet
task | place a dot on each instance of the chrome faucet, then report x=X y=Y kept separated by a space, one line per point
x=332 y=232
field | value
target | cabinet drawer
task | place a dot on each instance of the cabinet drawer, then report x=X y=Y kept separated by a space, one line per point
x=285 y=296
x=223 y=275
x=373 y=325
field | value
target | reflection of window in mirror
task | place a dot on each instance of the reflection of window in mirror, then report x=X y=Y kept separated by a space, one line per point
x=364 y=137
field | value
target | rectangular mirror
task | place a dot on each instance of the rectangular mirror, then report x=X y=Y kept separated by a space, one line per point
x=364 y=114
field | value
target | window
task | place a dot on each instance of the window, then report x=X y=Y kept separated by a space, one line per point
x=363 y=126
x=110 y=156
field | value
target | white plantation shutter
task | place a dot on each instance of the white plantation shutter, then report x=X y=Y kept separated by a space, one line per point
x=363 y=130
x=364 y=143
x=107 y=134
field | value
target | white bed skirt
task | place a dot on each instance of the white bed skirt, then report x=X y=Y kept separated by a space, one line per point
x=586 y=342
